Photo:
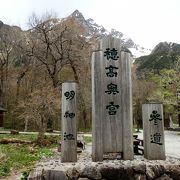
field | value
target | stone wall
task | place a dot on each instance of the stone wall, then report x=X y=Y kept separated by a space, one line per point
x=106 y=171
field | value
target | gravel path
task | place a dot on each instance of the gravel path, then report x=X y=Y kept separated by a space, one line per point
x=172 y=143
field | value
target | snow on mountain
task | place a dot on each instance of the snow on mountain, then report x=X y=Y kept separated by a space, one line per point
x=93 y=29
x=140 y=51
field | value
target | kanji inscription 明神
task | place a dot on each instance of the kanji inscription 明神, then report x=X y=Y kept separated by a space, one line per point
x=68 y=120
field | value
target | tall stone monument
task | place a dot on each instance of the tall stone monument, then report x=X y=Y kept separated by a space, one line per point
x=68 y=131
x=153 y=126
x=111 y=100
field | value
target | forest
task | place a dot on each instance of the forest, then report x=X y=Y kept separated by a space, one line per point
x=35 y=63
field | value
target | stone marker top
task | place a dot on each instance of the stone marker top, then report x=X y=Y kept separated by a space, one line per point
x=110 y=42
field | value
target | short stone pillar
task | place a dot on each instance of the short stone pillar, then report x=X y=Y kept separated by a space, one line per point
x=69 y=132
x=153 y=129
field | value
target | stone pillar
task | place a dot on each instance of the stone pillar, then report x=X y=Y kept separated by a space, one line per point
x=68 y=117
x=153 y=129
x=111 y=100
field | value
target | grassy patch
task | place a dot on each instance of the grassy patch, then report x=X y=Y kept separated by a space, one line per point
x=17 y=157
x=14 y=157
x=87 y=139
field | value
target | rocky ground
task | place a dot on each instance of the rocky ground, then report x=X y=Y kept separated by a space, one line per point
x=139 y=168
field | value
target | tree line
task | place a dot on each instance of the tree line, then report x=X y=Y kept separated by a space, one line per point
x=35 y=63
x=33 y=66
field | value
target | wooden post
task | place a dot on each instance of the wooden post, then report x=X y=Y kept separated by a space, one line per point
x=153 y=126
x=111 y=102
x=126 y=103
x=97 y=110
x=69 y=132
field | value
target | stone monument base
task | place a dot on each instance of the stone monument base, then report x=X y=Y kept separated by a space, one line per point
x=84 y=169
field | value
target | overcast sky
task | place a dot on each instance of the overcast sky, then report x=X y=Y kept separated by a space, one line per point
x=147 y=22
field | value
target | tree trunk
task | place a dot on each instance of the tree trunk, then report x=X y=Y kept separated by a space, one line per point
x=170 y=121
x=1 y=87
x=17 y=90
x=26 y=125
x=18 y=83
x=83 y=105
x=42 y=130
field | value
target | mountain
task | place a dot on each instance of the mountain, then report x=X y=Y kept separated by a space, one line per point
x=93 y=29
x=1 y=24
x=165 y=55
x=8 y=27
x=166 y=47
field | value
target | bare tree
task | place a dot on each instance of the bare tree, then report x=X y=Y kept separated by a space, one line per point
x=6 y=50
x=48 y=45
x=40 y=105
x=61 y=44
